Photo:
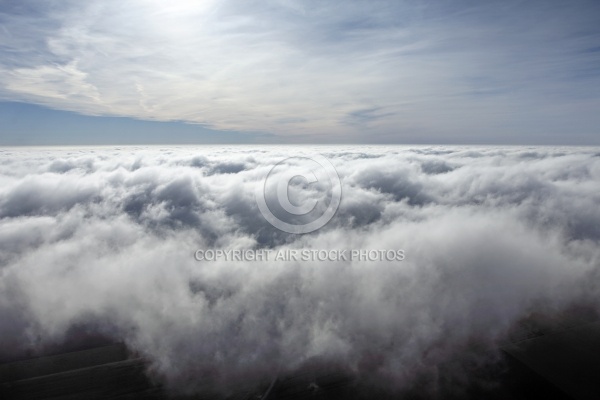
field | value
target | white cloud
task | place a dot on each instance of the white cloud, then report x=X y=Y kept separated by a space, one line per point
x=105 y=237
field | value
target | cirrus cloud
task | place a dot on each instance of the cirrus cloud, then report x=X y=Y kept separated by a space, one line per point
x=313 y=71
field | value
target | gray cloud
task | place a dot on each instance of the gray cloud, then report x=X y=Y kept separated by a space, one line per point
x=106 y=237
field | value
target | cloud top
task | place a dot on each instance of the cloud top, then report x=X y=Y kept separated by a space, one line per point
x=105 y=238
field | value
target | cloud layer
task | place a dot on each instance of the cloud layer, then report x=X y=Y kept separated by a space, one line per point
x=381 y=71
x=105 y=238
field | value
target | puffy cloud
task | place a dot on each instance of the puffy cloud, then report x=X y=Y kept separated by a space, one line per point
x=105 y=238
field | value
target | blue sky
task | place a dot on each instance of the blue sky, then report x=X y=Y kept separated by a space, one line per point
x=287 y=71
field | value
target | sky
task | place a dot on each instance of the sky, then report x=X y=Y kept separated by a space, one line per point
x=286 y=71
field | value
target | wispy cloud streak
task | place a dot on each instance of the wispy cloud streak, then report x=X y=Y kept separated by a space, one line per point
x=301 y=68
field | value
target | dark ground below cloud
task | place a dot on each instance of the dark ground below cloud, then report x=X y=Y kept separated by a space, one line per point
x=544 y=358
